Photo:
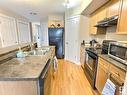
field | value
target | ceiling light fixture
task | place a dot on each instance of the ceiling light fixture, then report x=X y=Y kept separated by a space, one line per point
x=66 y=4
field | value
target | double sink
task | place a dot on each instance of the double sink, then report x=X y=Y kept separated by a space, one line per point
x=37 y=52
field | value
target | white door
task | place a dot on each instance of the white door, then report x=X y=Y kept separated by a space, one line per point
x=23 y=32
x=71 y=39
x=8 y=32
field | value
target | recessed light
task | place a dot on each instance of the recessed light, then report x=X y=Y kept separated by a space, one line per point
x=33 y=13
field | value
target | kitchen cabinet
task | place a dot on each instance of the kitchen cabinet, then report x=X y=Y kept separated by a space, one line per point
x=107 y=70
x=23 y=32
x=113 y=8
x=97 y=16
x=102 y=74
x=82 y=55
x=122 y=22
x=93 y=22
x=118 y=73
x=48 y=80
x=29 y=86
x=8 y=33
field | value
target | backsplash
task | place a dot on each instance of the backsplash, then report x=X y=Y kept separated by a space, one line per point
x=110 y=35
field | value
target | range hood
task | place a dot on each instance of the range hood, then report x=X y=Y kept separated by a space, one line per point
x=108 y=22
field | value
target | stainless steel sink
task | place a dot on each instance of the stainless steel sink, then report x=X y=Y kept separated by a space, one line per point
x=38 y=52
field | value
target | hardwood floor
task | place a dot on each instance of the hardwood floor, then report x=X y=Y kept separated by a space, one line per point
x=70 y=80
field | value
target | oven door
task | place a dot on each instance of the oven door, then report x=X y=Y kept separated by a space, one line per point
x=90 y=66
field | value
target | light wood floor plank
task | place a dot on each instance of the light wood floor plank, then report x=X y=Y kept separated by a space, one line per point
x=70 y=80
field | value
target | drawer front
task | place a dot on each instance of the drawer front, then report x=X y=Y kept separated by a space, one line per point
x=119 y=73
x=103 y=63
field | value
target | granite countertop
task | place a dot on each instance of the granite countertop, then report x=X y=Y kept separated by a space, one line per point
x=28 y=68
x=114 y=62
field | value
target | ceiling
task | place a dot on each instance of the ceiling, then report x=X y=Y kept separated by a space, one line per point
x=43 y=8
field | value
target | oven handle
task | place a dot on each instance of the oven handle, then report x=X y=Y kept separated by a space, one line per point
x=92 y=55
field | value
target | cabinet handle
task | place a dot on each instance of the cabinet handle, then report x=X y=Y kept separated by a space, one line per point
x=117 y=74
x=115 y=79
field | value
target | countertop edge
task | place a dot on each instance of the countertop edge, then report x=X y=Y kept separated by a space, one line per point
x=114 y=62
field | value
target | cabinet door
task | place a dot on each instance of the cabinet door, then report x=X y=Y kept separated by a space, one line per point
x=97 y=16
x=122 y=23
x=8 y=31
x=102 y=13
x=93 y=22
x=102 y=75
x=82 y=55
x=24 y=32
x=113 y=9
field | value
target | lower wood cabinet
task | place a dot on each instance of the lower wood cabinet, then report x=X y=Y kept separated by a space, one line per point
x=48 y=80
x=107 y=70
x=82 y=55
x=102 y=74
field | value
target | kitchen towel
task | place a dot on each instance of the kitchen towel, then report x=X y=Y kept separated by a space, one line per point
x=55 y=64
x=109 y=88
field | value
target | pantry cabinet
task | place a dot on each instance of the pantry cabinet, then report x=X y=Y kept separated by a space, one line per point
x=8 y=33
x=23 y=32
x=122 y=23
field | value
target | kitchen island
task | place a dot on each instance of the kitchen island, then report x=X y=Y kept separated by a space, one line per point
x=26 y=76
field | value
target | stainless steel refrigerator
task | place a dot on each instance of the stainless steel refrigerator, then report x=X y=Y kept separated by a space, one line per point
x=56 y=38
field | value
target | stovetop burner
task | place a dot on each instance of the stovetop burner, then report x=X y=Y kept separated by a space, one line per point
x=94 y=50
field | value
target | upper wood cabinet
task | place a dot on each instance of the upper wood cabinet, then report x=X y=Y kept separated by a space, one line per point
x=99 y=15
x=113 y=8
x=93 y=22
x=122 y=23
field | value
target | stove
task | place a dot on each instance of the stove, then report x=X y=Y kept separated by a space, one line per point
x=91 y=61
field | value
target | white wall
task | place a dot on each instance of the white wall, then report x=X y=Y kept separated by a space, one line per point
x=44 y=28
x=84 y=30
x=78 y=10
x=56 y=17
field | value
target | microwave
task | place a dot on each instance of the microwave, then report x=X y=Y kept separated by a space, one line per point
x=118 y=51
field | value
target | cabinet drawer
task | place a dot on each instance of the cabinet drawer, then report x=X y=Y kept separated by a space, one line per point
x=103 y=63
x=118 y=72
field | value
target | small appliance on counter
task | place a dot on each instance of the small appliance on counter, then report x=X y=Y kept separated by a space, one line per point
x=118 y=51
x=95 y=44
x=85 y=43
